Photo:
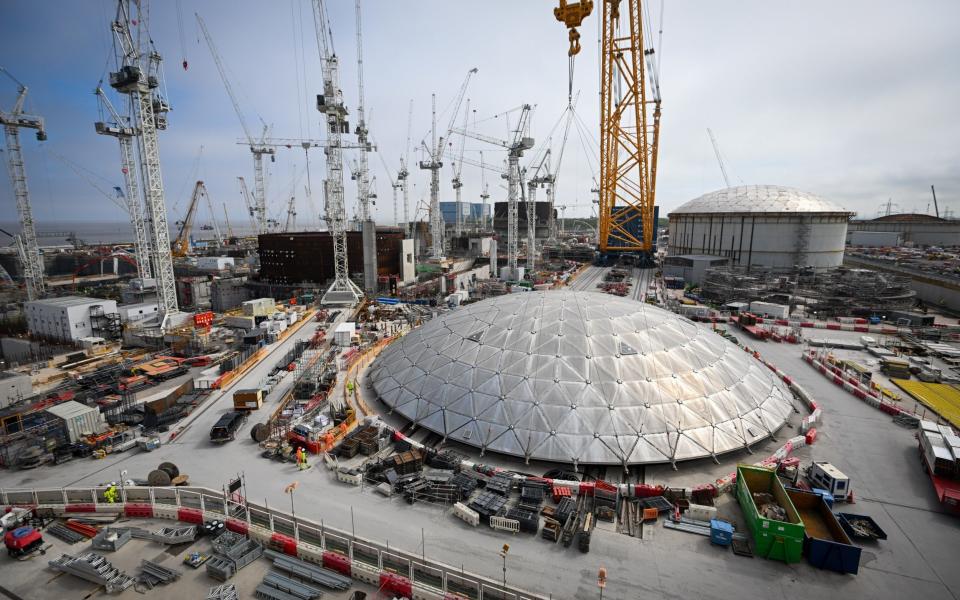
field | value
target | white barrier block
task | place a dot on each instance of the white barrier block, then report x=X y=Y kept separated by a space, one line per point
x=462 y=511
x=424 y=593
x=365 y=573
x=165 y=511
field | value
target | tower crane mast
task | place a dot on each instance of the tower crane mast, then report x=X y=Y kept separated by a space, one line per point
x=368 y=228
x=457 y=169
x=125 y=133
x=404 y=173
x=258 y=147
x=27 y=246
x=536 y=180
x=330 y=103
x=137 y=76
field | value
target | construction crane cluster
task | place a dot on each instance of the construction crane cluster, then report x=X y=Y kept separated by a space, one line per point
x=27 y=247
x=629 y=140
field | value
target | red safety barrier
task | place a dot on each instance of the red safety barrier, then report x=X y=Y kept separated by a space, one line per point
x=284 y=543
x=560 y=492
x=810 y=437
x=834 y=326
x=861 y=328
x=781 y=322
x=586 y=488
x=237 y=526
x=643 y=490
x=807 y=324
x=80 y=508
x=838 y=380
x=336 y=562
x=813 y=405
x=787 y=379
x=397 y=584
x=144 y=511
x=859 y=394
x=890 y=409
x=190 y=515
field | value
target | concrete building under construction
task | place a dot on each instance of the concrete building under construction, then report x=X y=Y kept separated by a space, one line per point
x=307 y=257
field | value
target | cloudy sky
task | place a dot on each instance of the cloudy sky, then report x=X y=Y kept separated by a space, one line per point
x=854 y=100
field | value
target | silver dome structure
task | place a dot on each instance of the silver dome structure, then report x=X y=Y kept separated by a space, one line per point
x=767 y=226
x=580 y=377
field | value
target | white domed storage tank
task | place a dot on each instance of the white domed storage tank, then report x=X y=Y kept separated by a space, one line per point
x=761 y=226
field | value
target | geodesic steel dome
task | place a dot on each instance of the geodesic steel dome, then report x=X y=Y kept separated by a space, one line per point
x=581 y=377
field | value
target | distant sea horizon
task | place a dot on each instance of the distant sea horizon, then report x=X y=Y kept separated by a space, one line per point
x=99 y=232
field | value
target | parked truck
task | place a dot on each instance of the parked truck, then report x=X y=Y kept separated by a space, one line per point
x=248 y=399
x=773 y=521
x=826 y=544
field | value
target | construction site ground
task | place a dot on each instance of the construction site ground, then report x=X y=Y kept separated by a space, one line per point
x=918 y=559
x=32 y=579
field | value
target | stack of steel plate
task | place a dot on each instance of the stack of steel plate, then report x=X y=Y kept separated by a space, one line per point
x=93 y=567
x=500 y=484
x=307 y=572
x=488 y=504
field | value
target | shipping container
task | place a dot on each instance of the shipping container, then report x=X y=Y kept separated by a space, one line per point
x=249 y=399
x=769 y=309
x=79 y=420
x=773 y=539
x=827 y=545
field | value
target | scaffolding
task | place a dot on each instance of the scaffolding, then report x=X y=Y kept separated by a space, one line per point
x=837 y=292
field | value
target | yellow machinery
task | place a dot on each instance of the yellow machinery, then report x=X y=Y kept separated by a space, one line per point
x=629 y=124
x=181 y=245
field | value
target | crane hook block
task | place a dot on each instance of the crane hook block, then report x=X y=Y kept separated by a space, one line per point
x=572 y=15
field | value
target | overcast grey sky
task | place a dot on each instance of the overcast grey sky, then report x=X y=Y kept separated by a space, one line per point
x=854 y=100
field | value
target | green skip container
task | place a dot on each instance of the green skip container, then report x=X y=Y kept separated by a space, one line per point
x=776 y=540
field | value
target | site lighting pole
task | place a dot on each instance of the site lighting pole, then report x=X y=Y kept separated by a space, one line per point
x=289 y=490
x=503 y=554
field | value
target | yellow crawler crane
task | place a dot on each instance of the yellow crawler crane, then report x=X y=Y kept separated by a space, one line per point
x=629 y=123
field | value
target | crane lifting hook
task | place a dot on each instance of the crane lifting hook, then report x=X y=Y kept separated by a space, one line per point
x=572 y=15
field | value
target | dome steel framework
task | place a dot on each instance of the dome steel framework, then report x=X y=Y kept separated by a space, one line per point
x=580 y=377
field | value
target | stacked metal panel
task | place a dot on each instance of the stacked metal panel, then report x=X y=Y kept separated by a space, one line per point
x=93 y=567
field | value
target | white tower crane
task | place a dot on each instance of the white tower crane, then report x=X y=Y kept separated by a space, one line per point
x=515 y=149
x=137 y=76
x=536 y=180
x=368 y=228
x=125 y=133
x=435 y=153
x=330 y=103
x=456 y=181
x=484 y=194
x=258 y=147
x=27 y=246
x=404 y=173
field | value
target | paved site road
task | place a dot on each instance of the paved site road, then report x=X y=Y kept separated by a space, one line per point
x=918 y=561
